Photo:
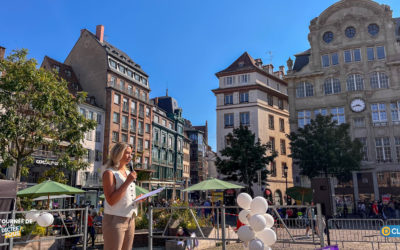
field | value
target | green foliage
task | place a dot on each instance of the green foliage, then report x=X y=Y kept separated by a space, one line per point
x=53 y=174
x=244 y=157
x=142 y=222
x=325 y=148
x=38 y=230
x=38 y=111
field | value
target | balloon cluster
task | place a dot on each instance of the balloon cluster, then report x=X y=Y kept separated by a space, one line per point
x=257 y=230
x=44 y=219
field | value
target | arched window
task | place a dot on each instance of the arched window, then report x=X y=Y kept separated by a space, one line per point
x=304 y=89
x=332 y=86
x=278 y=197
x=355 y=82
x=379 y=80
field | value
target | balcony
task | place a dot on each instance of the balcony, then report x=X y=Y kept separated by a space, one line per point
x=133 y=111
x=141 y=114
x=132 y=129
x=125 y=126
x=140 y=131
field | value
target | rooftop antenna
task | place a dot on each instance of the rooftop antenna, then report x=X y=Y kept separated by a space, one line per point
x=270 y=57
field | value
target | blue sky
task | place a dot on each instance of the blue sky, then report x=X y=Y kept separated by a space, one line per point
x=180 y=44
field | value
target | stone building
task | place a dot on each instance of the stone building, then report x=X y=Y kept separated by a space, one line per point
x=352 y=72
x=253 y=95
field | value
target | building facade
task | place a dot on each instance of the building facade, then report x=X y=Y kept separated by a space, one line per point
x=352 y=72
x=120 y=87
x=253 y=95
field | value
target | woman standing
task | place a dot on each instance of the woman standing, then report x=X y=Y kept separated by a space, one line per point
x=119 y=191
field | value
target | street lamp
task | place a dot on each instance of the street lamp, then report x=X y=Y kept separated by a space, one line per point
x=285 y=171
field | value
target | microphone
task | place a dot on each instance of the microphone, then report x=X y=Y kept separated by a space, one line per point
x=130 y=165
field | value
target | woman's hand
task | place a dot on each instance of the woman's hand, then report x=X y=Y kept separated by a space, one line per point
x=137 y=197
x=132 y=176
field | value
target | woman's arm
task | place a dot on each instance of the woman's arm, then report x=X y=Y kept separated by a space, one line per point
x=112 y=194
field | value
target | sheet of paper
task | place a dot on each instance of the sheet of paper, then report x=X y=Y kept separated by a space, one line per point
x=149 y=194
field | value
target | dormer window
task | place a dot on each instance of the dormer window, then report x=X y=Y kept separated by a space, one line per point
x=68 y=73
x=121 y=68
x=137 y=77
x=113 y=64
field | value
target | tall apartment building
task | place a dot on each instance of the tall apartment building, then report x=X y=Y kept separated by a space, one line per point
x=120 y=87
x=88 y=179
x=253 y=95
x=352 y=72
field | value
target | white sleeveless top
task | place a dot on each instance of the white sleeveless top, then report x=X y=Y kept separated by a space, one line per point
x=125 y=207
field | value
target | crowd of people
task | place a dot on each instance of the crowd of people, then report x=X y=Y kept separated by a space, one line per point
x=378 y=209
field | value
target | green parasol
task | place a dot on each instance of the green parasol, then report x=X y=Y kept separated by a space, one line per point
x=212 y=184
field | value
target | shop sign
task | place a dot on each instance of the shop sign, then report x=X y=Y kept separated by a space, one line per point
x=46 y=162
x=217 y=196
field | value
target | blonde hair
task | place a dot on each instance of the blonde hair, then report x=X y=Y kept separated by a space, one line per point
x=116 y=154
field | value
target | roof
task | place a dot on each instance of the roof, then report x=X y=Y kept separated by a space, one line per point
x=246 y=63
x=302 y=59
x=73 y=82
x=166 y=103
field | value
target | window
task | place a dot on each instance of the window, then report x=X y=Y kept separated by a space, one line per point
x=364 y=149
x=146 y=162
x=117 y=99
x=146 y=144
x=373 y=29
x=163 y=122
x=144 y=81
x=169 y=141
x=68 y=72
x=98 y=136
x=280 y=103
x=359 y=122
x=228 y=99
x=56 y=68
x=325 y=61
x=380 y=52
x=304 y=89
x=141 y=110
x=281 y=125
x=124 y=137
x=350 y=32
x=91 y=115
x=319 y=112
x=115 y=136
x=283 y=147
x=125 y=105
x=229 y=80
x=140 y=144
x=130 y=89
x=352 y=55
x=382 y=145
x=244 y=97
x=113 y=64
x=335 y=59
x=303 y=118
x=130 y=73
x=338 y=115
x=156 y=119
x=228 y=120
x=147 y=128
x=170 y=125
x=370 y=54
x=272 y=143
x=144 y=96
x=245 y=119
x=147 y=112
x=244 y=78
x=116 y=117
x=137 y=93
x=137 y=77
x=98 y=155
x=125 y=123
x=355 y=82
x=121 y=68
x=133 y=107
x=378 y=113
x=121 y=85
x=140 y=127
x=379 y=80
x=397 y=145
x=270 y=100
x=271 y=122
x=273 y=169
x=83 y=112
x=89 y=135
x=395 y=111
x=328 y=37
x=132 y=140
x=98 y=118
x=332 y=86
x=133 y=125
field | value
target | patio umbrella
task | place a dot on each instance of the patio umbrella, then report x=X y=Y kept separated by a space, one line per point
x=48 y=188
x=300 y=193
x=52 y=197
x=212 y=184
x=139 y=191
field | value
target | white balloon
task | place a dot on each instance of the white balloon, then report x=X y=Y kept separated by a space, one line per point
x=245 y=233
x=259 y=205
x=244 y=216
x=268 y=236
x=257 y=222
x=244 y=200
x=45 y=219
x=270 y=220
x=32 y=215
x=256 y=244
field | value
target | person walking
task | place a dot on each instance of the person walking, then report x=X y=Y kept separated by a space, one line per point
x=91 y=230
x=120 y=209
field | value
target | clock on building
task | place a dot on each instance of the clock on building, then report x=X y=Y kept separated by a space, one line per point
x=357 y=105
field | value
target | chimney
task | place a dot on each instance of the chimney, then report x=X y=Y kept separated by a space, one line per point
x=156 y=101
x=258 y=62
x=2 y=52
x=269 y=68
x=100 y=32
x=282 y=69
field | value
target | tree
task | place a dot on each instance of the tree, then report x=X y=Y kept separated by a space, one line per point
x=244 y=158
x=325 y=148
x=38 y=111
